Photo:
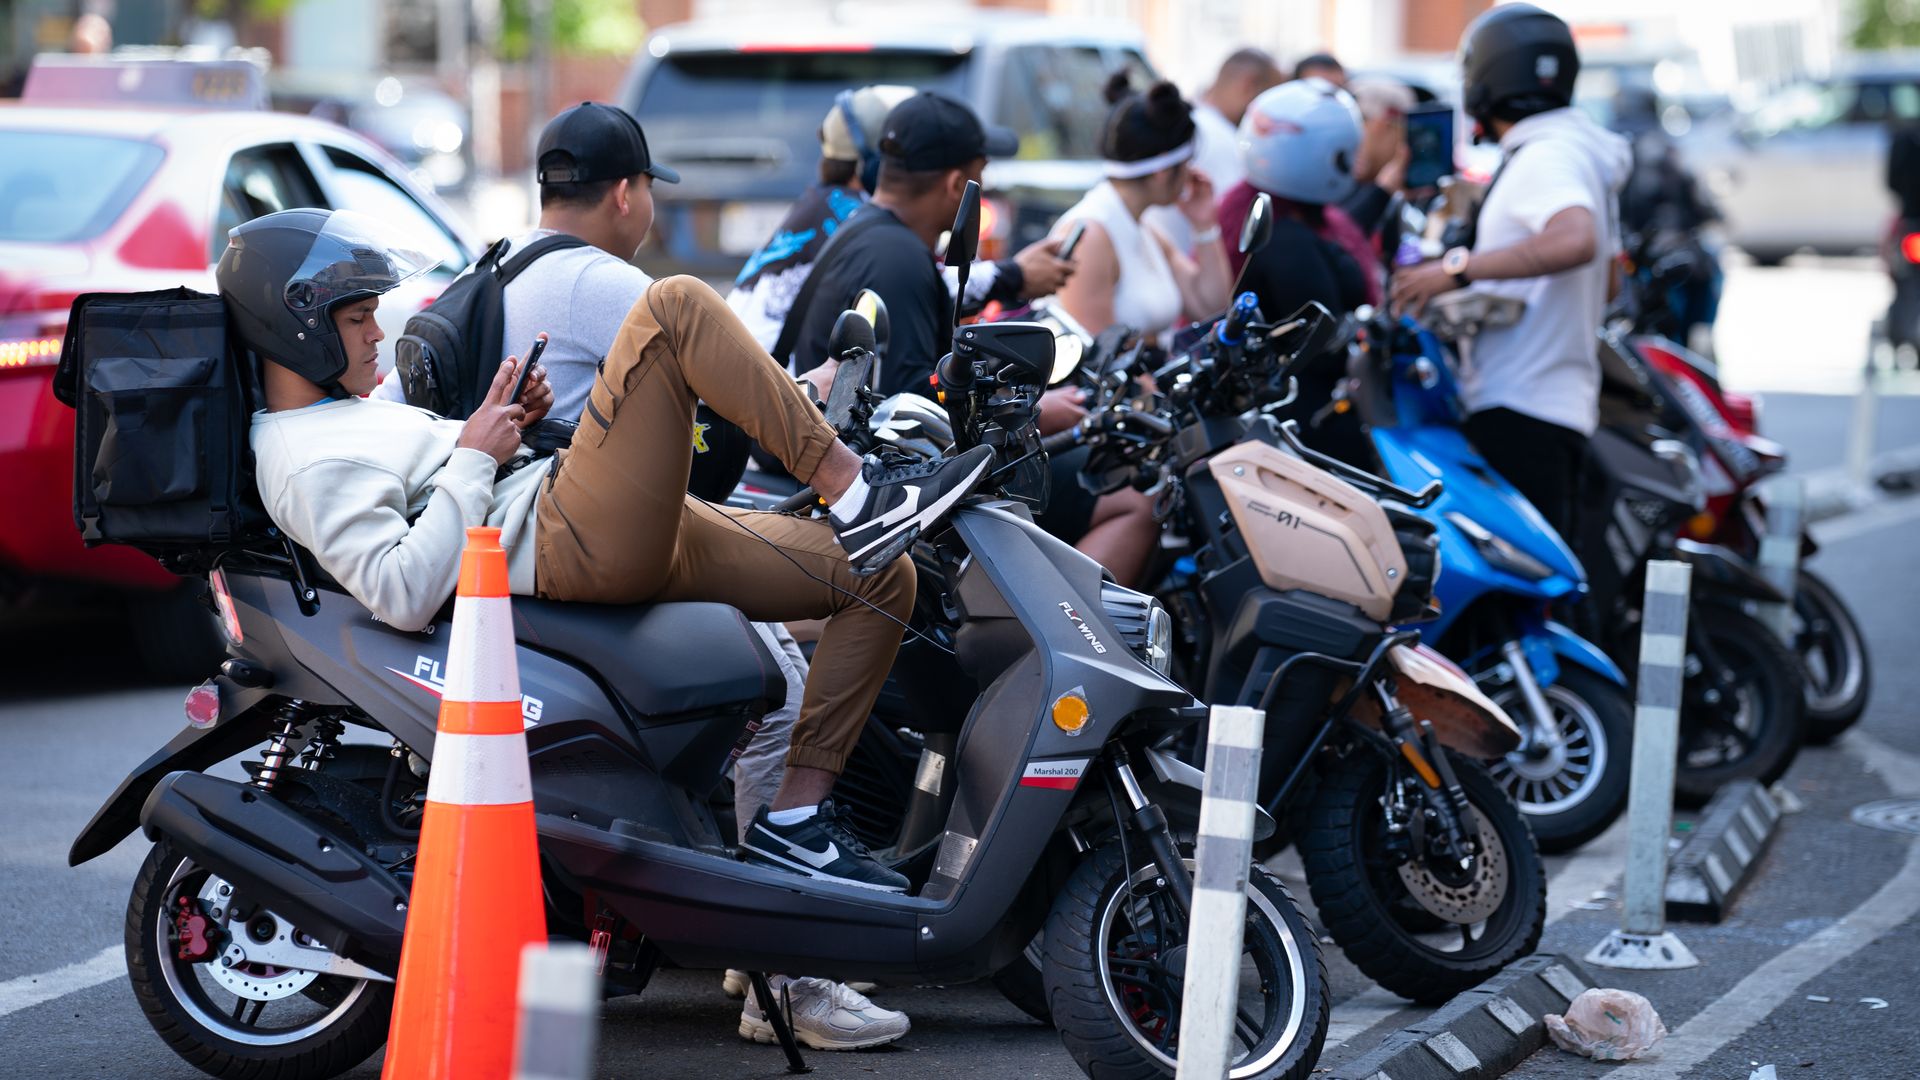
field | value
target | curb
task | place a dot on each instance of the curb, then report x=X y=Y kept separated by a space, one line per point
x=1718 y=859
x=1482 y=1032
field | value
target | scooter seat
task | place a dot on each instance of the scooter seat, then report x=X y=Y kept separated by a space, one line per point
x=661 y=659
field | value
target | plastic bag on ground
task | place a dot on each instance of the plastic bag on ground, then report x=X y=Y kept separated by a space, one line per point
x=1607 y=1025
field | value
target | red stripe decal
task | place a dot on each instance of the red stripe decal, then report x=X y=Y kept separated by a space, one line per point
x=1058 y=783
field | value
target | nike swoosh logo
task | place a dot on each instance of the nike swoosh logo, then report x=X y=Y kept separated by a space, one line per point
x=819 y=860
x=909 y=505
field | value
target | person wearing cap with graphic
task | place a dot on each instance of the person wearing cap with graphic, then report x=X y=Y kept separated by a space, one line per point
x=764 y=292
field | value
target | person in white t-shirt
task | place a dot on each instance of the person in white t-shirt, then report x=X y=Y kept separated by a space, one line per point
x=1546 y=235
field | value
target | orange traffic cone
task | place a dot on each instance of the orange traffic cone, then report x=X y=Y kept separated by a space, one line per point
x=476 y=887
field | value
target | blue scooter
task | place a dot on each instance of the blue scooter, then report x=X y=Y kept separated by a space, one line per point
x=1503 y=568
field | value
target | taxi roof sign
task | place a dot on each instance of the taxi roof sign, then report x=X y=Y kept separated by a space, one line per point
x=166 y=81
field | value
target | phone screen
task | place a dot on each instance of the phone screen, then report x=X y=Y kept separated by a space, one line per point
x=1429 y=145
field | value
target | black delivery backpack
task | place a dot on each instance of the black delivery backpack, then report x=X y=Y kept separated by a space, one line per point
x=447 y=356
x=162 y=401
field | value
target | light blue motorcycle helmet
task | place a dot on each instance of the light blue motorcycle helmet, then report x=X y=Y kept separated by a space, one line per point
x=1299 y=141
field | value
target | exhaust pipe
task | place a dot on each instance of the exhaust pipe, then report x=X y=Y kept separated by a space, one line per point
x=327 y=887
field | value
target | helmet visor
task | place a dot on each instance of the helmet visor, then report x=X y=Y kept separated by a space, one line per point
x=353 y=256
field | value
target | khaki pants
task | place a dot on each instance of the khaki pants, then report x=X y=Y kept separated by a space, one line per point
x=617 y=526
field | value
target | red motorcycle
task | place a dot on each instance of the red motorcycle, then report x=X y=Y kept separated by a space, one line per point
x=1723 y=426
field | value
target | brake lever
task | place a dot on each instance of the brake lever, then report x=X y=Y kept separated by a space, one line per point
x=1360 y=478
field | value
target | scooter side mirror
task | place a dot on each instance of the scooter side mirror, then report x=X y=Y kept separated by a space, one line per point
x=851 y=331
x=1017 y=353
x=874 y=310
x=1258 y=228
x=963 y=243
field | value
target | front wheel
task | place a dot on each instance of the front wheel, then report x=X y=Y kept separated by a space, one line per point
x=1408 y=916
x=1744 y=705
x=1572 y=793
x=1833 y=654
x=243 y=1019
x=1114 y=958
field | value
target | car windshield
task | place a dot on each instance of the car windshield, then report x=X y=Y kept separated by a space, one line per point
x=695 y=102
x=58 y=187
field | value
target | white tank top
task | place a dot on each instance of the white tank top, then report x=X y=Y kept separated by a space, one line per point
x=1147 y=297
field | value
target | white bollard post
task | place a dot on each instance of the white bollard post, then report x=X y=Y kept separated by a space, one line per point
x=1217 y=924
x=1643 y=941
x=1866 y=411
x=559 y=1013
x=1780 y=550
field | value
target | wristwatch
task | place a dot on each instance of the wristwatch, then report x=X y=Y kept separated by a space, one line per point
x=1454 y=262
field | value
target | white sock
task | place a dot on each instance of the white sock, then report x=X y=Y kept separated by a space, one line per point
x=851 y=501
x=792 y=817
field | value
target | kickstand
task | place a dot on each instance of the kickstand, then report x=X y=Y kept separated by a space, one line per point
x=780 y=1018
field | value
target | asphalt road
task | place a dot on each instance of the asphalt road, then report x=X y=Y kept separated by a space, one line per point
x=1831 y=915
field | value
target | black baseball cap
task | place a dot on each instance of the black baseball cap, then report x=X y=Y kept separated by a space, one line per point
x=592 y=142
x=931 y=131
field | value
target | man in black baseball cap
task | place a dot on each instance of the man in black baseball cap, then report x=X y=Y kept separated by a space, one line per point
x=591 y=142
x=930 y=146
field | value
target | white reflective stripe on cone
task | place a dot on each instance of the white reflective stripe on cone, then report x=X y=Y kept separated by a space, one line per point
x=481 y=662
x=479 y=770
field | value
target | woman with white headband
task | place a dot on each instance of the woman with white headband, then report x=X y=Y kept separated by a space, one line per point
x=1126 y=270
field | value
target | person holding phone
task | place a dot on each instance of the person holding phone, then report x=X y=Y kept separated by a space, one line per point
x=1547 y=234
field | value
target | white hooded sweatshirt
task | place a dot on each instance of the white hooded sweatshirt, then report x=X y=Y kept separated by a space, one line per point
x=1547 y=365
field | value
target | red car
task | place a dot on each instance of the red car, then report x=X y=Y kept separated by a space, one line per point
x=122 y=199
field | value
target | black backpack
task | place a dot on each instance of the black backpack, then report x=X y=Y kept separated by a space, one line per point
x=162 y=401
x=447 y=357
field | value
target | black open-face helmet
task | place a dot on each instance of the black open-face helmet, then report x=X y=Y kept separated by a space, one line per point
x=284 y=273
x=1517 y=60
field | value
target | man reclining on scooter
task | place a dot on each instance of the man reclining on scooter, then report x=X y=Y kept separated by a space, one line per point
x=382 y=493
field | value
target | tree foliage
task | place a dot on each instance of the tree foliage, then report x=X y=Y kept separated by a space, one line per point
x=578 y=27
x=1886 y=24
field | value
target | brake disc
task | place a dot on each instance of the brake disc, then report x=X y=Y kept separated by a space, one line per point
x=1468 y=902
x=246 y=978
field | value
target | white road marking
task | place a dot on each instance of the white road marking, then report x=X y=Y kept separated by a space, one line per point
x=1871 y=519
x=1360 y=1012
x=29 y=990
x=1753 y=998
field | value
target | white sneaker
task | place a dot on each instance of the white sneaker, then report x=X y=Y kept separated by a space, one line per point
x=826 y=1016
x=736 y=985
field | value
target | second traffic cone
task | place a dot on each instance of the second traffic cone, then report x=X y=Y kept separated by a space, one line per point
x=476 y=887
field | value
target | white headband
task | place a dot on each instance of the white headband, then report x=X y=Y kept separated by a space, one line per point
x=1133 y=170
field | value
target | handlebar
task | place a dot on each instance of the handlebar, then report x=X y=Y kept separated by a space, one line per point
x=1360 y=478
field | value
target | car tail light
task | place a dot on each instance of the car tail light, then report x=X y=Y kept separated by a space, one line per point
x=29 y=353
x=223 y=601
x=1910 y=248
x=995 y=223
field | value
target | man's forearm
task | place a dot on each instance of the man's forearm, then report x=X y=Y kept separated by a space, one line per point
x=1567 y=241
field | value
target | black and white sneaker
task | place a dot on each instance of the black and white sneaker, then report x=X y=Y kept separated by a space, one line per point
x=902 y=501
x=820 y=847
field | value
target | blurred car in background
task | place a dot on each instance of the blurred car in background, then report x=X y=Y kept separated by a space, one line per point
x=96 y=196
x=737 y=109
x=410 y=117
x=1807 y=168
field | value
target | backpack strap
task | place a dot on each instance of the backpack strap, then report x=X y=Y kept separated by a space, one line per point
x=546 y=245
x=797 y=314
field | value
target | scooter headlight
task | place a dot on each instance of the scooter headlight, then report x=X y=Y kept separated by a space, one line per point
x=1143 y=624
x=1498 y=551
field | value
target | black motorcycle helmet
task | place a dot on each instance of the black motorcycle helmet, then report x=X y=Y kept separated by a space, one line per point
x=1517 y=60
x=283 y=274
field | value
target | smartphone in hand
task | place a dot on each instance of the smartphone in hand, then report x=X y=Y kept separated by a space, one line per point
x=527 y=366
x=1073 y=239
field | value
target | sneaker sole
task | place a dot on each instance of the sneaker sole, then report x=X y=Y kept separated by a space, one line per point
x=931 y=513
x=779 y=863
x=760 y=1031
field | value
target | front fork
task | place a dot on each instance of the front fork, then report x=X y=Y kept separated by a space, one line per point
x=1419 y=745
x=1541 y=737
x=1150 y=822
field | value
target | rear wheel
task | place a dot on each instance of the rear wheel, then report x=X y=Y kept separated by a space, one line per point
x=1572 y=794
x=1409 y=917
x=1115 y=953
x=244 y=1019
x=1746 y=725
x=1833 y=656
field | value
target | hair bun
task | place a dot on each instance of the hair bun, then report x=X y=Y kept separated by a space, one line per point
x=1164 y=103
x=1119 y=85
